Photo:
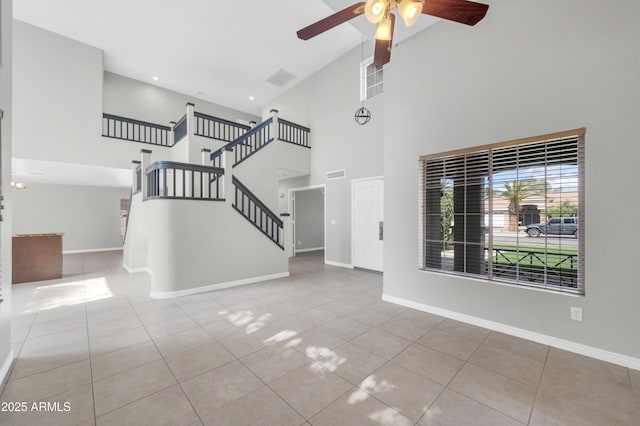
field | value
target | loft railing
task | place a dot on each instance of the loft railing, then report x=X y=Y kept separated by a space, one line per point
x=180 y=129
x=129 y=129
x=249 y=206
x=218 y=128
x=293 y=133
x=172 y=180
x=246 y=145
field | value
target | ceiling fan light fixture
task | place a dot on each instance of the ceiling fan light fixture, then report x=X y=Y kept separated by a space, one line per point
x=410 y=11
x=375 y=10
x=384 y=29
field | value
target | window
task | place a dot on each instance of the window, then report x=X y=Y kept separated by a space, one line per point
x=370 y=79
x=510 y=212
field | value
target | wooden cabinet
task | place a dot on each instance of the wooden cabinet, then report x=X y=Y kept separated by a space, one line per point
x=36 y=257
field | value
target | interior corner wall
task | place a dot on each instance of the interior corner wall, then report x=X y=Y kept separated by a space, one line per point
x=529 y=68
x=6 y=60
x=326 y=102
x=88 y=216
x=136 y=99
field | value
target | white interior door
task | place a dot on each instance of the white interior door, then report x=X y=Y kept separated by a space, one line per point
x=368 y=223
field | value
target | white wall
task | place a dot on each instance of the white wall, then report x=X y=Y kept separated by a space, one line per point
x=529 y=68
x=326 y=102
x=88 y=216
x=6 y=356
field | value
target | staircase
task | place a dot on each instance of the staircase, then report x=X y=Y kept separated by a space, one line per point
x=179 y=228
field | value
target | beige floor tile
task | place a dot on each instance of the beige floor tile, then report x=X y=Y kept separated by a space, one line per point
x=37 y=362
x=516 y=345
x=313 y=341
x=634 y=375
x=356 y=407
x=113 y=342
x=309 y=389
x=429 y=363
x=521 y=368
x=453 y=409
x=370 y=317
x=422 y=319
x=171 y=326
x=213 y=389
x=274 y=361
x=52 y=382
x=183 y=341
x=345 y=328
x=52 y=341
x=115 y=362
x=114 y=326
x=402 y=389
x=165 y=408
x=242 y=344
x=191 y=363
x=260 y=407
x=465 y=330
x=587 y=374
x=385 y=345
x=161 y=315
x=350 y=362
x=405 y=327
x=501 y=393
x=74 y=407
x=452 y=344
x=123 y=388
x=44 y=328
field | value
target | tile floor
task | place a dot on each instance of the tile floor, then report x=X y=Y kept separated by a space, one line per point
x=316 y=348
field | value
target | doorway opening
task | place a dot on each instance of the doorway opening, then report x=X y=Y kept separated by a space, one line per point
x=307 y=221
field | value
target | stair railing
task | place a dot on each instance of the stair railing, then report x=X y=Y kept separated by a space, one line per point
x=293 y=133
x=256 y=212
x=184 y=181
x=246 y=145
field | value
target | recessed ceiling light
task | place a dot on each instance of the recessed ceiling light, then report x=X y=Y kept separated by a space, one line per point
x=155 y=78
x=251 y=98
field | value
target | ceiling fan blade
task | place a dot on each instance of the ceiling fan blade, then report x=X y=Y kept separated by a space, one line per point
x=331 y=21
x=382 y=51
x=462 y=11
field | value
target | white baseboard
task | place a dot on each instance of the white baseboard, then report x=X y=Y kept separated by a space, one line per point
x=204 y=289
x=135 y=270
x=91 y=250
x=342 y=265
x=567 y=345
x=6 y=366
x=309 y=249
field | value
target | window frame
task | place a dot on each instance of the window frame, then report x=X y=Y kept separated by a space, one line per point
x=579 y=135
x=364 y=79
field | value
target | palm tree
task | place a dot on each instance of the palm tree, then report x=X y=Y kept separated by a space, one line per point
x=516 y=192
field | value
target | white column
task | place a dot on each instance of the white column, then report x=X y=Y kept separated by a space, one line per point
x=134 y=181
x=145 y=161
x=172 y=139
x=206 y=155
x=274 y=115
x=228 y=158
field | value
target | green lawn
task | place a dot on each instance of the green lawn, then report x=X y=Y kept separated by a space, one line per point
x=555 y=256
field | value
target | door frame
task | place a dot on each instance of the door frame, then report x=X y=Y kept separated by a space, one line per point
x=292 y=238
x=353 y=219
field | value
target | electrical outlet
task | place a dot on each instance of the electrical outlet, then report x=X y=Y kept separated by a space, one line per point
x=576 y=313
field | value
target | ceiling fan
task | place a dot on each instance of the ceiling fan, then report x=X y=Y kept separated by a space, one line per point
x=379 y=12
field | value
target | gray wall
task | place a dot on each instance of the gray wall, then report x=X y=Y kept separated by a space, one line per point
x=6 y=8
x=309 y=219
x=326 y=102
x=143 y=101
x=88 y=216
x=530 y=68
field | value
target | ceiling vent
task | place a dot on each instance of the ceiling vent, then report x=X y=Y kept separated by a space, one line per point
x=338 y=174
x=281 y=77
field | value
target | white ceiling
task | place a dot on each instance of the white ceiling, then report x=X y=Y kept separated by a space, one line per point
x=219 y=51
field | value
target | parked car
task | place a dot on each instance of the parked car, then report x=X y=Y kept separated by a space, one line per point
x=555 y=226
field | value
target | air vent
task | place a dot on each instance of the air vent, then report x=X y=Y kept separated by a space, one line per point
x=281 y=77
x=338 y=174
